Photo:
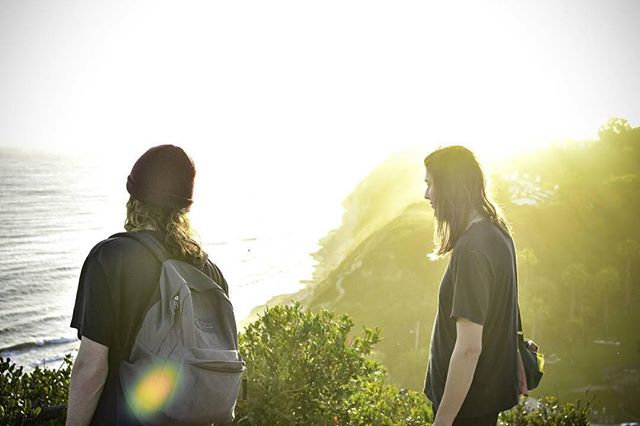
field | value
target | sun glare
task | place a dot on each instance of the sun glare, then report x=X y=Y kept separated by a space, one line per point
x=291 y=104
x=271 y=81
x=153 y=390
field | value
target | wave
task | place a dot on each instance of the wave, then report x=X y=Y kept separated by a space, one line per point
x=15 y=272
x=43 y=363
x=22 y=322
x=28 y=267
x=27 y=346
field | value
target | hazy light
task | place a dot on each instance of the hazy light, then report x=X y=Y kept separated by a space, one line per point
x=277 y=81
x=285 y=106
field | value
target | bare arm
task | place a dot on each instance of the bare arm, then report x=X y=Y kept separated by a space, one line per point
x=87 y=380
x=461 y=369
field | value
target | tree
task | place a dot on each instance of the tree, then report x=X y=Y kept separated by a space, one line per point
x=614 y=128
x=499 y=189
x=607 y=281
x=537 y=310
x=628 y=249
x=536 y=301
x=575 y=277
x=527 y=258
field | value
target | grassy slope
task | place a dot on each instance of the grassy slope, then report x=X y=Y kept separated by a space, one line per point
x=374 y=267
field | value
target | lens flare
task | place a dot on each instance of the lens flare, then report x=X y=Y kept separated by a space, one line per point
x=154 y=390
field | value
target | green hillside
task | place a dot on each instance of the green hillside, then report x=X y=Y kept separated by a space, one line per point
x=574 y=210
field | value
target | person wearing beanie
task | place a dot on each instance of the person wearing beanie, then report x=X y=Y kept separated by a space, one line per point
x=163 y=176
x=118 y=280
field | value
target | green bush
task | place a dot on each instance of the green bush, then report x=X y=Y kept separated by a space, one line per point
x=304 y=368
x=377 y=403
x=29 y=397
x=549 y=413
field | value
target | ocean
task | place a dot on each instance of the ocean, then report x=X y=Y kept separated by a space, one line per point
x=53 y=209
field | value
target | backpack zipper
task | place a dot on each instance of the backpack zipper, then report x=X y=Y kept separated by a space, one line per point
x=176 y=304
x=220 y=368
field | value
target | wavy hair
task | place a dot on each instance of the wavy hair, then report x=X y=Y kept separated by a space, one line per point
x=179 y=236
x=458 y=189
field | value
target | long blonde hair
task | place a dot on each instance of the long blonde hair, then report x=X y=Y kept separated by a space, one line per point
x=179 y=236
x=459 y=189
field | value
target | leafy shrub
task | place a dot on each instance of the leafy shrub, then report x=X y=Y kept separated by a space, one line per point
x=304 y=368
x=29 y=397
x=377 y=403
x=549 y=412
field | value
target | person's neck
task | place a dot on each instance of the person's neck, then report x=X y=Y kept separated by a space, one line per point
x=473 y=218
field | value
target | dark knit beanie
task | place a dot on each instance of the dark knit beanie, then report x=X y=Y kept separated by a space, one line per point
x=163 y=177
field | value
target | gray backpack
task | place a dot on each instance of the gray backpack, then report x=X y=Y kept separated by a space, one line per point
x=184 y=366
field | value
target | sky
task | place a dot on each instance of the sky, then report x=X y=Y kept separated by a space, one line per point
x=281 y=99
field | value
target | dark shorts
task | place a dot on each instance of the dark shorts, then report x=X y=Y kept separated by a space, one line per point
x=486 y=420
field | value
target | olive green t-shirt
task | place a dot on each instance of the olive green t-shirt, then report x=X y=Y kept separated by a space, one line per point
x=480 y=285
x=118 y=281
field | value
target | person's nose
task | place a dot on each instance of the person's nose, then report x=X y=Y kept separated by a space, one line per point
x=426 y=195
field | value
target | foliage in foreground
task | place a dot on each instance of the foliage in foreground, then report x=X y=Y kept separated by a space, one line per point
x=27 y=397
x=549 y=412
x=304 y=368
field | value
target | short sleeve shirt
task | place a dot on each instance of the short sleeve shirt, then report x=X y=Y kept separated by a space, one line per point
x=117 y=284
x=480 y=285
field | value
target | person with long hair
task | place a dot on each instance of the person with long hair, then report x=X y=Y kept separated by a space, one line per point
x=472 y=374
x=119 y=279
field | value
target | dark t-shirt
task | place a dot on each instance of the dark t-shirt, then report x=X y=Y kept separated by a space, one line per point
x=117 y=284
x=480 y=285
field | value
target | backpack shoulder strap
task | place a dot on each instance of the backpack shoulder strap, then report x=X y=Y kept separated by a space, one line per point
x=153 y=245
x=159 y=252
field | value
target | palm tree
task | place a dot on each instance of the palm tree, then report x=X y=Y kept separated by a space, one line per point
x=539 y=310
x=527 y=258
x=607 y=281
x=628 y=250
x=575 y=277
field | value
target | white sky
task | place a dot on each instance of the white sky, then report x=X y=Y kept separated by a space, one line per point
x=276 y=99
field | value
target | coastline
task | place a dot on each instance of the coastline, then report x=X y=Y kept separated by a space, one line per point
x=48 y=354
x=299 y=296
